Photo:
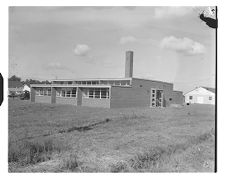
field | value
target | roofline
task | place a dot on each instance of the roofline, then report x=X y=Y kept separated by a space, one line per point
x=71 y=85
x=177 y=91
x=90 y=79
x=97 y=79
x=153 y=80
x=197 y=88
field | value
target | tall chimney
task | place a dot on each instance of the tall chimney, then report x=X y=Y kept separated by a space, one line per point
x=129 y=64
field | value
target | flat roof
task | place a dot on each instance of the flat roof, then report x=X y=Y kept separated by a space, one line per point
x=153 y=80
x=106 y=79
x=69 y=85
x=91 y=79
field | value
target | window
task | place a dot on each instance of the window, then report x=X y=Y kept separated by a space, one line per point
x=117 y=83
x=68 y=93
x=111 y=82
x=49 y=92
x=45 y=92
x=98 y=93
x=37 y=92
x=41 y=92
x=104 y=93
x=73 y=92
x=91 y=93
x=190 y=97
x=85 y=93
x=210 y=98
x=58 y=93
x=94 y=82
x=63 y=93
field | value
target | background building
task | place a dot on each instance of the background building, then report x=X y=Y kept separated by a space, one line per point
x=15 y=88
x=200 y=95
x=108 y=92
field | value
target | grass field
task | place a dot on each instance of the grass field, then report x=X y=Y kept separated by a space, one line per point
x=65 y=138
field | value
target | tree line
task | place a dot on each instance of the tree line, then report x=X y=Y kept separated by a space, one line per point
x=28 y=81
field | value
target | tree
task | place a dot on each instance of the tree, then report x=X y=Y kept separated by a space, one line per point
x=14 y=78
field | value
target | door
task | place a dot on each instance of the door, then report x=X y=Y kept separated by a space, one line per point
x=159 y=98
x=153 y=98
x=156 y=99
x=200 y=100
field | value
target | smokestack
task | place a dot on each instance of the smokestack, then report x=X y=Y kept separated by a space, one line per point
x=129 y=64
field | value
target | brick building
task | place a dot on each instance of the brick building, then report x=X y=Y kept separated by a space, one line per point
x=108 y=92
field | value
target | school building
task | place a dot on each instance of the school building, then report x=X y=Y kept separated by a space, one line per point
x=108 y=92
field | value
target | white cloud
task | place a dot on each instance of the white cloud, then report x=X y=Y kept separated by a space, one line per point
x=81 y=49
x=182 y=45
x=166 y=12
x=127 y=39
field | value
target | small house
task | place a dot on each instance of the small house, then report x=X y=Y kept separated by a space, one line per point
x=200 y=95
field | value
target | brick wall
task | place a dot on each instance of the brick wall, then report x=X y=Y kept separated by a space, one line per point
x=95 y=102
x=66 y=100
x=148 y=84
x=177 y=97
x=43 y=99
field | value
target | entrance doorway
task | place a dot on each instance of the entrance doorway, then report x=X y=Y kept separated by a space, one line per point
x=156 y=99
x=200 y=100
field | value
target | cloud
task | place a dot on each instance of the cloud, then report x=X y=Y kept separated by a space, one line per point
x=81 y=49
x=127 y=39
x=182 y=45
x=167 y=12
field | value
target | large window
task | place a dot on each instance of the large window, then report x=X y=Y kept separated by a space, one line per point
x=190 y=97
x=66 y=92
x=43 y=91
x=99 y=93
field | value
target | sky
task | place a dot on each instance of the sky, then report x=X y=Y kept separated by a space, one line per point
x=170 y=43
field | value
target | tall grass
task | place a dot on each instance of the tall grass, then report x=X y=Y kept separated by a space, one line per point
x=158 y=156
x=71 y=163
x=32 y=152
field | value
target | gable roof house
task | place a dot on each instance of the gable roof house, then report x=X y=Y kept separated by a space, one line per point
x=200 y=95
x=26 y=88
